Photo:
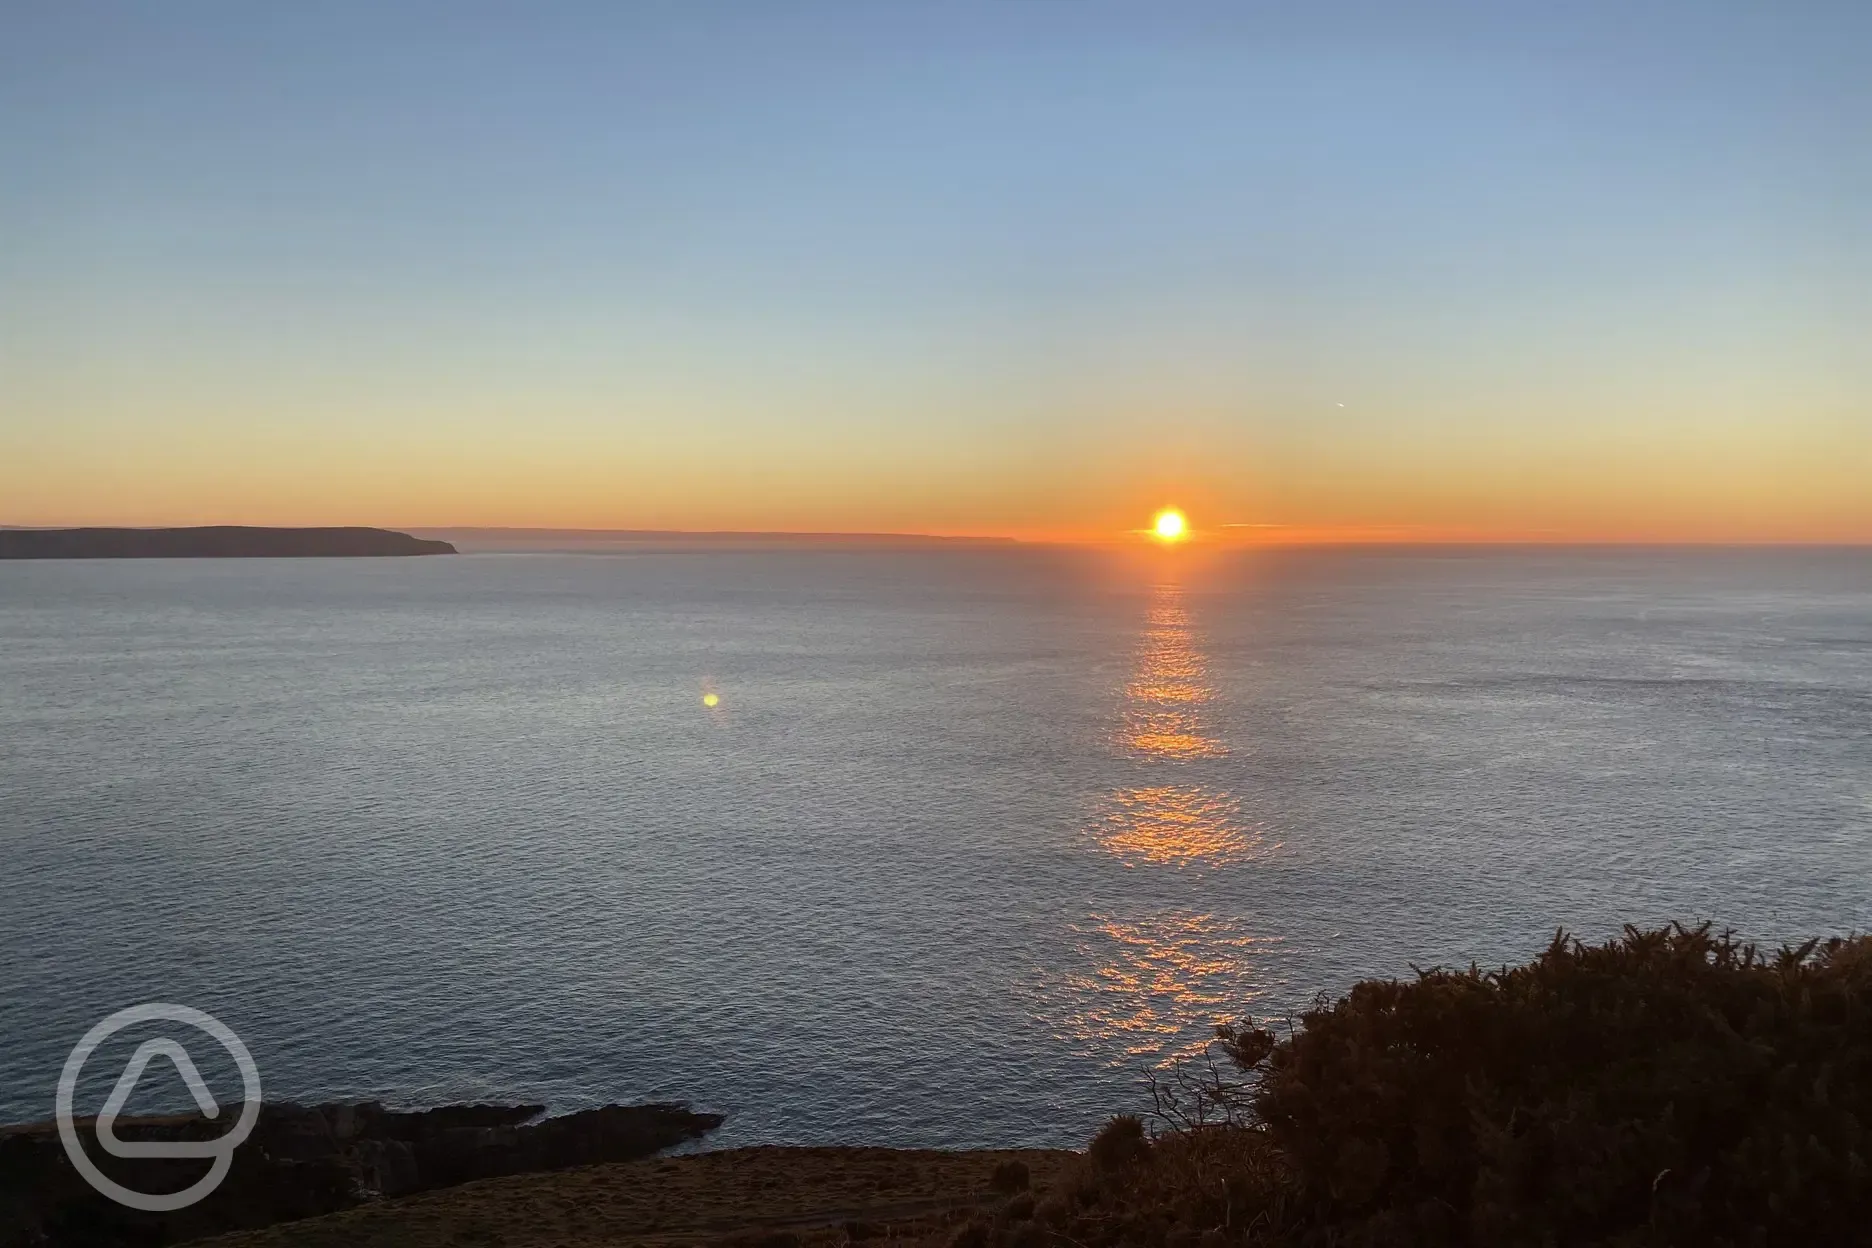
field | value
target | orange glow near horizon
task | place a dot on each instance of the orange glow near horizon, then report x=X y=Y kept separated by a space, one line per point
x=1724 y=488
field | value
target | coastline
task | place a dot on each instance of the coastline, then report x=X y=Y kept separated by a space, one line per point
x=223 y=541
x=305 y=1161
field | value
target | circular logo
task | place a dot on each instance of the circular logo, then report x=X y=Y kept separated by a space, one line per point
x=221 y=1149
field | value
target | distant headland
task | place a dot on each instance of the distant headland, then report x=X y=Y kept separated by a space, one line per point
x=477 y=540
x=221 y=541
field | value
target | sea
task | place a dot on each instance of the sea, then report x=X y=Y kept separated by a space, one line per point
x=922 y=847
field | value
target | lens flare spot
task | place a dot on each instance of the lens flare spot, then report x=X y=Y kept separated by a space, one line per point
x=711 y=699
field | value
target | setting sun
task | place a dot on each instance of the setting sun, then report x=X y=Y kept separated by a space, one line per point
x=1169 y=526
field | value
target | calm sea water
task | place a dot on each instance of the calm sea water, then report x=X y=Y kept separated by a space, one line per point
x=970 y=840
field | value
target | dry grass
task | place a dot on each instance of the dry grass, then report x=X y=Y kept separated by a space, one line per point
x=757 y=1197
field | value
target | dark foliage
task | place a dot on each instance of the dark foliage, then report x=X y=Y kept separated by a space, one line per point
x=1673 y=1087
x=1019 y=1209
x=974 y=1233
x=1120 y=1143
x=1011 y=1176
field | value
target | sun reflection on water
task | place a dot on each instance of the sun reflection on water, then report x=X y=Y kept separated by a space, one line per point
x=1151 y=986
x=1170 y=823
x=1163 y=698
x=1158 y=985
x=1175 y=818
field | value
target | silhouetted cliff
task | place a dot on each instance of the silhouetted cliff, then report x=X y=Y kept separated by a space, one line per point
x=223 y=541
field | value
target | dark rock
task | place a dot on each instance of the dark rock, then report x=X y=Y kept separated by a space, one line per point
x=385 y=1167
x=300 y=1162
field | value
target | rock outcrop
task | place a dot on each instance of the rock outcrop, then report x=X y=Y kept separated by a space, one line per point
x=303 y=1161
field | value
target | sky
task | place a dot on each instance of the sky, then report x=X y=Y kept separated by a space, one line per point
x=1389 y=271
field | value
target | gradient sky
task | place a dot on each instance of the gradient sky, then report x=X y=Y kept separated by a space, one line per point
x=1508 y=270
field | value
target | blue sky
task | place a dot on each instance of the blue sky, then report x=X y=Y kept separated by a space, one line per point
x=966 y=267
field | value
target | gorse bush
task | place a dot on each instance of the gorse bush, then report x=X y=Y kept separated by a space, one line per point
x=1671 y=1087
x=1120 y=1143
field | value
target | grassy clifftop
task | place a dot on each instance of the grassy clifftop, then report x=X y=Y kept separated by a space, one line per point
x=754 y=1197
x=1672 y=1087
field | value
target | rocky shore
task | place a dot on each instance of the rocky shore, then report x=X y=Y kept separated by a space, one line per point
x=301 y=1162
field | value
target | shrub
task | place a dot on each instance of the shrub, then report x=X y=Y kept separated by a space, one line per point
x=1121 y=1142
x=972 y=1234
x=1201 y=1188
x=1672 y=1087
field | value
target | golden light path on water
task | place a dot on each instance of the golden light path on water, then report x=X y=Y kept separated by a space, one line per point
x=1175 y=818
x=1161 y=983
x=1163 y=701
x=1172 y=823
x=1157 y=982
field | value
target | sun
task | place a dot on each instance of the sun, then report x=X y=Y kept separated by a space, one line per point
x=1170 y=526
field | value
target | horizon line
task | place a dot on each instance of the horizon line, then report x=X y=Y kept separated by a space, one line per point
x=1268 y=536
